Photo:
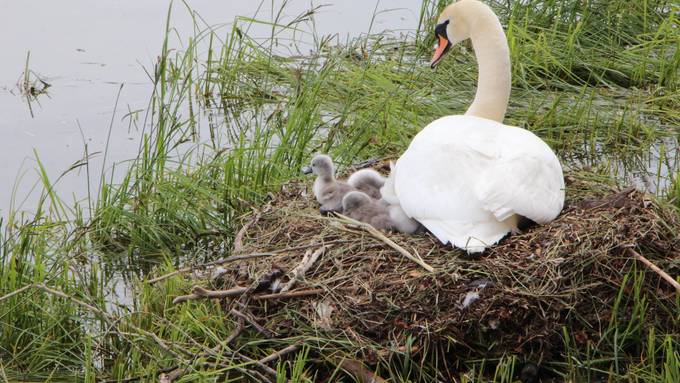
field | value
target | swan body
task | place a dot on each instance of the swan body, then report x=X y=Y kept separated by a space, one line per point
x=469 y=178
x=401 y=221
x=478 y=176
x=368 y=181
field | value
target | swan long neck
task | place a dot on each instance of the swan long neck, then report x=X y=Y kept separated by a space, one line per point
x=493 y=59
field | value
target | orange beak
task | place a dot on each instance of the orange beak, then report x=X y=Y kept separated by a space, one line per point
x=442 y=48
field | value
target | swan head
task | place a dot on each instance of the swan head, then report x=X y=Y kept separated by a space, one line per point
x=322 y=166
x=452 y=27
x=354 y=200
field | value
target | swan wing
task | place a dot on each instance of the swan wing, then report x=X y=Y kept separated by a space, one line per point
x=526 y=178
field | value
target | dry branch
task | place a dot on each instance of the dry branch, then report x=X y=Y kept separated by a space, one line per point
x=268 y=334
x=655 y=268
x=238 y=239
x=199 y=292
x=361 y=373
x=278 y=354
x=299 y=272
x=109 y=317
x=211 y=264
x=15 y=292
x=289 y=294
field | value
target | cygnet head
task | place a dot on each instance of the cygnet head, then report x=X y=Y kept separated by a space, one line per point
x=355 y=200
x=322 y=165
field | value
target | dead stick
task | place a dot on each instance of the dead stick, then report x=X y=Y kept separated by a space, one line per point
x=210 y=264
x=261 y=366
x=252 y=322
x=361 y=373
x=655 y=268
x=278 y=354
x=299 y=272
x=15 y=292
x=237 y=258
x=235 y=333
x=289 y=294
x=238 y=239
x=242 y=290
x=378 y=235
x=160 y=342
x=199 y=292
x=172 y=375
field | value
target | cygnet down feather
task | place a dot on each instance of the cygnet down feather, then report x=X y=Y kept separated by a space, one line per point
x=368 y=181
x=358 y=205
x=328 y=190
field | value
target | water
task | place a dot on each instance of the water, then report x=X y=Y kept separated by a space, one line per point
x=85 y=50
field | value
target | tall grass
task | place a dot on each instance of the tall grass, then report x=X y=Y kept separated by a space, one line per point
x=597 y=80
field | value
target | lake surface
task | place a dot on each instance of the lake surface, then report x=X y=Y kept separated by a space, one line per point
x=85 y=50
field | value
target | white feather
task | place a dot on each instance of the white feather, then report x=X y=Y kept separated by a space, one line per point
x=466 y=179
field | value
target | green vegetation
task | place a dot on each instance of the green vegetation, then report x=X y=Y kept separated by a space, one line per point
x=598 y=80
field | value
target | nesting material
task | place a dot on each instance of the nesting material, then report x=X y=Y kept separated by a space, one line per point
x=514 y=297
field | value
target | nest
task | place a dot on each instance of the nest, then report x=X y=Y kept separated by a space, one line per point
x=516 y=297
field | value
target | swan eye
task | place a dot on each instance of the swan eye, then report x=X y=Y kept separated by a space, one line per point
x=440 y=30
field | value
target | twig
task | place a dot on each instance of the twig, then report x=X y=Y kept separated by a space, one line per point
x=210 y=264
x=655 y=268
x=261 y=366
x=178 y=372
x=169 y=375
x=289 y=294
x=237 y=258
x=252 y=322
x=199 y=292
x=15 y=292
x=378 y=235
x=108 y=316
x=139 y=377
x=259 y=377
x=242 y=290
x=361 y=373
x=299 y=271
x=235 y=333
x=278 y=354
x=238 y=239
x=172 y=375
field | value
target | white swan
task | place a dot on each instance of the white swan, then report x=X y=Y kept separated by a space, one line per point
x=478 y=175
